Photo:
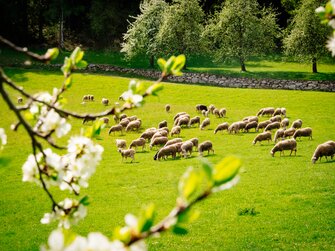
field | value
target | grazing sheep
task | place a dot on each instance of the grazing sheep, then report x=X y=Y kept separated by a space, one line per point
x=287 y=144
x=205 y=113
x=266 y=111
x=241 y=125
x=167 y=108
x=195 y=142
x=159 y=141
x=223 y=112
x=221 y=127
x=200 y=108
x=285 y=122
x=183 y=121
x=166 y=151
x=115 y=128
x=91 y=98
x=19 y=100
x=205 y=146
x=303 y=132
x=162 y=124
x=250 y=119
x=88 y=119
x=211 y=108
x=325 y=149
x=164 y=129
x=178 y=146
x=173 y=141
x=116 y=119
x=123 y=116
x=104 y=101
x=234 y=127
x=124 y=122
x=276 y=118
x=297 y=124
x=134 y=125
x=194 y=120
x=157 y=134
x=127 y=153
x=205 y=123
x=283 y=111
x=250 y=125
x=132 y=118
x=277 y=112
x=216 y=112
x=279 y=134
x=289 y=132
x=137 y=142
x=121 y=143
x=187 y=147
x=148 y=134
x=105 y=120
x=85 y=98
x=262 y=136
x=271 y=126
x=262 y=125
x=175 y=130
x=178 y=115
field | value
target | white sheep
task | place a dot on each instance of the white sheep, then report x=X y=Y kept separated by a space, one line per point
x=262 y=125
x=127 y=153
x=276 y=118
x=303 y=132
x=164 y=129
x=261 y=137
x=167 y=108
x=285 y=123
x=283 y=111
x=124 y=122
x=159 y=141
x=234 y=127
x=104 y=101
x=178 y=115
x=166 y=151
x=194 y=120
x=223 y=112
x=266 y=111
x=183 y=121
x=137 y=143
x=221 y=127
x=157 y=134
x=134 y=125
x=216 y=112
x=206 y=122
x=297 y=124
x=195 y=142
x=250 y=125
x=205 y=146
x=250 y=119
x=271 y=126
x=132 y=118
x=173 y=141
x=121 y=143
x=148 y=134
x=289 y=132
x=91 y=98
x=115 y=128
x=279 y=134
x=175 y=130
x=85 y=98
x=187 y=147
x=325 y=149
x=211 y=108
x=287 y=144
x=123 y=116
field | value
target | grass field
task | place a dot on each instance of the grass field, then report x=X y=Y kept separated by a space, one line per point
x=294 y=199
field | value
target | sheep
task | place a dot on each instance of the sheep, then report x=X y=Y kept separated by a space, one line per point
x=116 y=119
x=147 y=135
x=223 y=112
x=167 y=108
x=325 y=149
x=115 y=128
x=187 y=146
x=87 y=119
x=277 y=112
x=123 y=116
x=206 y=122
x=162 y=124
x=211 y=108
x=127 y=153
x=241 y=125
x=157 y=134
x=303 y=132
x=183 y=121
x=289 y=132
x=195 y=142
x=121 y=143
x=159 y=141
x=262 y=136
x=279 y=134
x=200 y=108
x=91 y=98
x=104 y=101
x=132 y=118
x=266 y=111
x=205 y=146
x=85 y=98
x=287 y=144
x=250 y=125
x=221 y=127
x=250 y=119
x=194 y=120
x=216 y=112
x=134 y=125
x=164 y=129
x=283 y=111
x=137 y=142
x=175 y=130
x=234 y=127
x=166 y=151
x=173 y=141
x=262 y=125
x=181 y=117
x=19 y=100
x=105 y=120
x=285 y=122
x=276 y=118
x=205 y=113
x=271 y=126
x=178 y=115
x=297 y=124
x=124 y=122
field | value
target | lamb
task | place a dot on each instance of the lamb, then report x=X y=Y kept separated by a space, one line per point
x=19 y=100
x=166 y=151
x=159 y=141
x=223 y=112
x=276 y=118
x=262 y=136
x=104 y=101
x=124 y=122
x=279 y=134
x=162 y=124
x=221 y=127
x=250 y=125
x=121 y=143
x=134 y=125
x=167 y=108
x=205 y=146
x=205 y=123
x=211 y=108
x=195 y=142
x=271 y=126
x=289 y=132
x=234 y=127
x=175 y=130
x=266 y=111
x=297 y=124
x=216 y=112
x=303 y=132
x=326 y=149
x=127 y=153
x=285 y=122
x=200 y=108
x=138 y=142
x=115 y=128
x=194 y=120
x=173 y=141
x=262 y=125
x=187 y=146
x=183 y=121
x=288 y=144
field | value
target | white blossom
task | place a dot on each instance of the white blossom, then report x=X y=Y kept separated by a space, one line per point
x=30 y=169
x=3 y=138
x=331 y=23
x=130 y=97
x=331 y=45
x=320 y=9
x=53 y=121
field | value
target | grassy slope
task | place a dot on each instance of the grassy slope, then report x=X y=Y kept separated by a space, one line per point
x=294 y=198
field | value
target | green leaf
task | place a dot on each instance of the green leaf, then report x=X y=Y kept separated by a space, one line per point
x=154 y=89
x=76 y=55
x=226 y=170
x=189 y=184
x=66 y=68
x=178 y=65
x=162 y=64
x=188 y=216
x=68 y=82
x=169 y=65
x=146 y=218
x=84 y=201
x=179 y=230
x=132 y=85
x=208 y=168
x=329 y=8
x=52 y=54
x=81 y=64
x=139 y=88
x=122 y=234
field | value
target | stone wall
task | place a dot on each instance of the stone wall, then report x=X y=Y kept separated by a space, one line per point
x=224 y=81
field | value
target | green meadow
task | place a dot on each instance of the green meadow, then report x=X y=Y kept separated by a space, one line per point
x=280 y=203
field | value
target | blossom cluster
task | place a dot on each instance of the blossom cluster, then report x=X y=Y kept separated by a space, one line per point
x=3 y=138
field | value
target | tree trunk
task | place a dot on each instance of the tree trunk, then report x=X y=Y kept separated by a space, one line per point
x=61 y=27
x=152 y=61
x=242 y=65
x=315 y=70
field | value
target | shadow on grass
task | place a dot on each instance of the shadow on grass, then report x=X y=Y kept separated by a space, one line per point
x=4 y=161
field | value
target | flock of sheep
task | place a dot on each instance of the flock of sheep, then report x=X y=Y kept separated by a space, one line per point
x=277 y=124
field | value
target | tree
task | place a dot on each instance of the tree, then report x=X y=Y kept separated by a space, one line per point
x=307 y=37
x=181 y=28
x=240 y=30
x=141 y=34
